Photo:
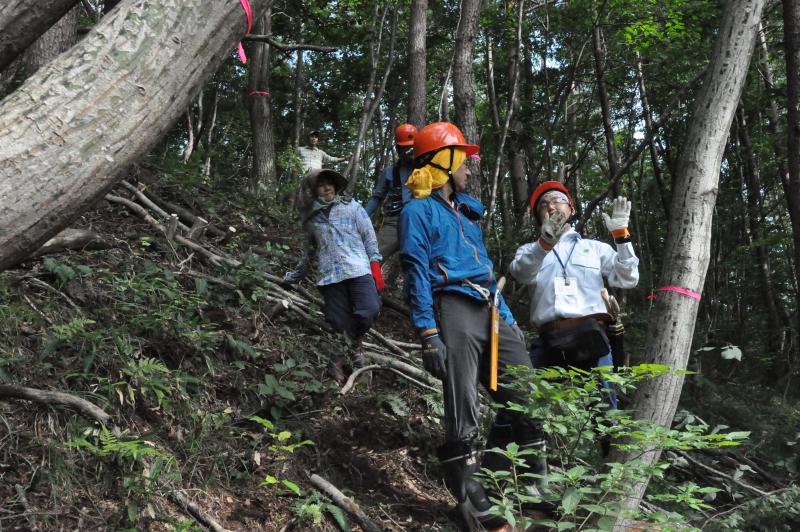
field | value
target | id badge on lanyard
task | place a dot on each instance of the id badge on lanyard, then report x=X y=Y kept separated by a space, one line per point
x=566 y=286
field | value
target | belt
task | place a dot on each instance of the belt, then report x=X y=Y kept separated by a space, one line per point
x=569 y=323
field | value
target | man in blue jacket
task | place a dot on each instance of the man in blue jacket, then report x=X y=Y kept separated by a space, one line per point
x=449 y=280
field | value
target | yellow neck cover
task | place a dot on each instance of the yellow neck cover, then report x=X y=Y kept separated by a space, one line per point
x=428 y=178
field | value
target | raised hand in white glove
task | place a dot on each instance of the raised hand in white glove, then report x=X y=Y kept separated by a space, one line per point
x=553 y=227
x=617 y=223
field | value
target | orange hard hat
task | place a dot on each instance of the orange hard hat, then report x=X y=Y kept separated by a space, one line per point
x=438 y=135
x=544 y=188
x=404 y=135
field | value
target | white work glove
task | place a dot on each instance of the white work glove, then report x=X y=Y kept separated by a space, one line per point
x=552 y=228
x=620 y=216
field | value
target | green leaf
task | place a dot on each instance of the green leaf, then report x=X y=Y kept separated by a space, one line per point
x=200 y=285
x=570 y=500
x=338 y=516
x=133 y=512
x=605 y=523
x=293 y=487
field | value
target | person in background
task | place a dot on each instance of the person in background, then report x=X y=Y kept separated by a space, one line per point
x=313 y=158
x=390 y=190
x=339 y=235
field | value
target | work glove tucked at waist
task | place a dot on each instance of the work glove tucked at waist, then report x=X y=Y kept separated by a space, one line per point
x=434 y=356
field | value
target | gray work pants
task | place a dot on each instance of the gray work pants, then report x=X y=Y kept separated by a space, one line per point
x=388 y=241
x=464 y=327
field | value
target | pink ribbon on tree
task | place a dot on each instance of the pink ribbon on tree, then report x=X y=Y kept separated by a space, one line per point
x=678 y=290
x=258 y=93
x=249 y=12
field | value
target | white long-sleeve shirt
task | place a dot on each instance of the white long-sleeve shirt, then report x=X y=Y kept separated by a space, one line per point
x=315 y=158
x=589 y=262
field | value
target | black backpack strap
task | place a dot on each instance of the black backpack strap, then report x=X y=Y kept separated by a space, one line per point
x=396 y=176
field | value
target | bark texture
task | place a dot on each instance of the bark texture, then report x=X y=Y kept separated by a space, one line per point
x=417 y=95
x=58 y=39
x=686 y=254
x=259 y=105
x=23 y=21
x=791 y=39
x=67 y=134
x=463 y=84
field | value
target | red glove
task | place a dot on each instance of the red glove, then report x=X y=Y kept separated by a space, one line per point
x=375 y=266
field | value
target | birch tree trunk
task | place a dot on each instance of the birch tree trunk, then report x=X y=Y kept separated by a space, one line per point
x=23 y=21
x=417 y=73
x=463 y=85
x=69 y=132
x=259 y=106
x=686 y=253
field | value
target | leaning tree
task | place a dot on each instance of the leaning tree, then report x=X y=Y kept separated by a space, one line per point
x=687 y=250
x=69 y=132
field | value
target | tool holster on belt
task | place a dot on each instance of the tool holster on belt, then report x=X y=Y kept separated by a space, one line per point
x=615 y=331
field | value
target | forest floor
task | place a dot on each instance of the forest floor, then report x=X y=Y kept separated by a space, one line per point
x=181 y=354
x=214 y=395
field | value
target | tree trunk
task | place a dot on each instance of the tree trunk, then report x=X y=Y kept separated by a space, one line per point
x=605 y=108
x=463 y=89
x=417 y=74
x=443 y=109
x=299 y=84
x=648 y=121
x=23 y=21
x=686 y=253
x=752 y=181
x=791 y=30
x=58 y=39
x=259 y=106
x=65 y=135
x=374 y=90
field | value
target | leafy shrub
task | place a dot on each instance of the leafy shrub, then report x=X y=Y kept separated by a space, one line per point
x=573 y=405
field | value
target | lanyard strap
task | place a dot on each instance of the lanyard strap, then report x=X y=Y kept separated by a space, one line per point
x=562 y=263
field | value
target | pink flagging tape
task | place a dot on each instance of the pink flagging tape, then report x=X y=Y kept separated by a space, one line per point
x=249 y=12
x=258 y=93
x=677 y=289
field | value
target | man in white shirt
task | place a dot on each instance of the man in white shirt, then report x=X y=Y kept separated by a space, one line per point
x=314 y=158
x=565 y=274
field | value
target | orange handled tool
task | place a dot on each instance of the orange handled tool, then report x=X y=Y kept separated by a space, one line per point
x=494 y=310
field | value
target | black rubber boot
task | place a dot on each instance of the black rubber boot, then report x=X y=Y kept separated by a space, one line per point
x=500 y=435
x=460 y=462
x=529 y=435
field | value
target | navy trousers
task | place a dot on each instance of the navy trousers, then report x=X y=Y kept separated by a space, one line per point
x=352 y=305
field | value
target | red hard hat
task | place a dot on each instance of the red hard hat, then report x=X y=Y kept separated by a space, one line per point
x=543 y=189
x=404 y=135
x=438 y=135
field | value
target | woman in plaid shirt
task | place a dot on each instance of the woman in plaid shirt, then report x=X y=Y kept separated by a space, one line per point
x=340 y=236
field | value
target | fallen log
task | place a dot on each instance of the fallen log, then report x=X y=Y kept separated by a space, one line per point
x=71 y=239
x=50 y=397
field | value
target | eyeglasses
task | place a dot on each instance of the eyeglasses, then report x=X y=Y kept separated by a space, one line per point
x=543 y=203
